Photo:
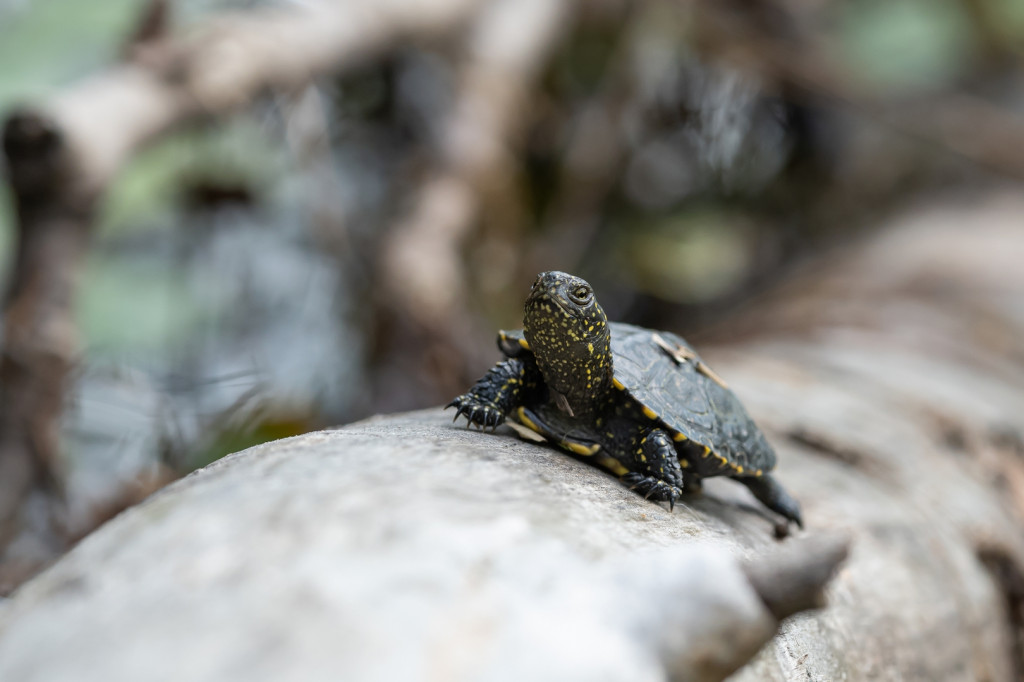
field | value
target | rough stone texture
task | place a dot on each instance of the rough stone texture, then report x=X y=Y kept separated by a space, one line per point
x=458 y=555
x=409 y=548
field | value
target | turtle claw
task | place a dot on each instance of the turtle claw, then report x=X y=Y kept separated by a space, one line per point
x=477 y=413
x=652 y=488
x=673 y=495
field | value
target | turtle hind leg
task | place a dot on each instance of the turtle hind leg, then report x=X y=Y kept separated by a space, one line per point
x=774 y=496
x=655 y=470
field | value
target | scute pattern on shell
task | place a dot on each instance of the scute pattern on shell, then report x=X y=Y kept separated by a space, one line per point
x=686 y=400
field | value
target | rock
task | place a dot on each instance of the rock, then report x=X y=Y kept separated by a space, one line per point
x=398 y=548
x=409 y=548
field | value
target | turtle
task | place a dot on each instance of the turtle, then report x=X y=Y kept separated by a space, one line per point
x=640 y=403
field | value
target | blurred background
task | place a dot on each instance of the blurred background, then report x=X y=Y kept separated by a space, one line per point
x=351 y=247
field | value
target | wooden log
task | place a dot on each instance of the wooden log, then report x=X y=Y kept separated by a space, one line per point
x=408 y=547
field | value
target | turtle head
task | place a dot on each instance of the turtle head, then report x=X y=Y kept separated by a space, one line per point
x=568 y=333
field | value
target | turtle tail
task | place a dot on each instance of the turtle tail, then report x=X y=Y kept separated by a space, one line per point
x=774 y=496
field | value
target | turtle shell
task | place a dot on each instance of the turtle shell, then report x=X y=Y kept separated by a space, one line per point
x=673 y=386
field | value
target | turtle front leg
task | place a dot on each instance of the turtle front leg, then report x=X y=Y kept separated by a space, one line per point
x=655 y=472
x=502 y=389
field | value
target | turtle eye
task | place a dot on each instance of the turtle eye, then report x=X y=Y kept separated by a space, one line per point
x=581 y=294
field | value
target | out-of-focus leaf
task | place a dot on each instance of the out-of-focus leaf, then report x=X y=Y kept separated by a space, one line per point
x=44 y=43
x=911 y=44
x=241 y=153
x=1010 y=14
x=275 y=425
x=55 y=41
x=692 y=257
x=134 y=306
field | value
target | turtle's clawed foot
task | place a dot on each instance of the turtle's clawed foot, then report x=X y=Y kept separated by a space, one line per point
x=477 y=412
x=652 y=488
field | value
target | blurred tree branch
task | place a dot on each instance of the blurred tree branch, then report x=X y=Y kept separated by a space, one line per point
x=468 y=205
x=763 y=38
x=475 y=177
x=39 y=337
x=61 y=157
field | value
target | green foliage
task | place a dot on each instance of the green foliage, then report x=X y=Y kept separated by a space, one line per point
x=238 y=438
x=692 y=256
x=907 y=44
x=131 y=306
x=238 y=152
x=55 y=41
x=45 y=44
x=1010 y=14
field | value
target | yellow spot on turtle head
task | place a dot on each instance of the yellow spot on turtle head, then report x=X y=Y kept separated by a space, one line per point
x=524 y=344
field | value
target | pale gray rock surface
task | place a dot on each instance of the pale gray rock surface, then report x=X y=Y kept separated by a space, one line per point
x=398 y=548
x=409 y=548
